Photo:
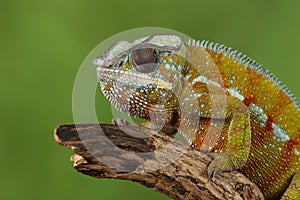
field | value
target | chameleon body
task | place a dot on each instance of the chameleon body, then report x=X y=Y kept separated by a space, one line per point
x=220 y=100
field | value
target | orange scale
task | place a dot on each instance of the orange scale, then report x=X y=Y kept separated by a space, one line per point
x=198 y=86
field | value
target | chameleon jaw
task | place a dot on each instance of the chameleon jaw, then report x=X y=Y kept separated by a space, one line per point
x=132 y=92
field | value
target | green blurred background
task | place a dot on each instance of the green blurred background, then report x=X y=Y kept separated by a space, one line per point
x=43 y=43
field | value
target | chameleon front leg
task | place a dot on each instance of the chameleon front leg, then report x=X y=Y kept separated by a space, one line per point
x=237 y=150
x=293 y=191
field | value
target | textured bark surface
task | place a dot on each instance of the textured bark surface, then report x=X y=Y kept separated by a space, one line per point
x=150 y=158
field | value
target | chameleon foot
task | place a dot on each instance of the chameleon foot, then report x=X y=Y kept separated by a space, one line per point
x=222 y=162
x=120 y=122
x=293 y=191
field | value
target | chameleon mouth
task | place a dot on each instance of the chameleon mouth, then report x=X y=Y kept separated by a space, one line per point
x=129 y=78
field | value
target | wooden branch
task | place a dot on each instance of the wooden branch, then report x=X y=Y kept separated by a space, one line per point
x=153 y=159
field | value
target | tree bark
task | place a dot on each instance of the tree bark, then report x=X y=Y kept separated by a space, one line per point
x=150 y=158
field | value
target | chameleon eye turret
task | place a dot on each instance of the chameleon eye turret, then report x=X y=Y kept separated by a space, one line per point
x=144 y=60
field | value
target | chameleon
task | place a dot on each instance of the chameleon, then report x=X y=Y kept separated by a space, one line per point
x=220 y=100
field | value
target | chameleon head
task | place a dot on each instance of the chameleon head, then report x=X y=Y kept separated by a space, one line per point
x=140 y=77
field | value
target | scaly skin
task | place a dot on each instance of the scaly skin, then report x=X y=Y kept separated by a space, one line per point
x=221 y=101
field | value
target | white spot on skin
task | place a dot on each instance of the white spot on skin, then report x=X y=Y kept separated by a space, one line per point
x=234 y=92
x=173 y=68
x=297 y=152
x=197 y=95
x=179 y=68
x=280 y=133
x=187 y=77
x=259 y=112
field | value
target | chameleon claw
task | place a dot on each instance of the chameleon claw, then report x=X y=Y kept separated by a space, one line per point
x=120 y=122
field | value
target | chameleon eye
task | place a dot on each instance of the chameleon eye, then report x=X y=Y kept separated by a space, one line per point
x=145 y=60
